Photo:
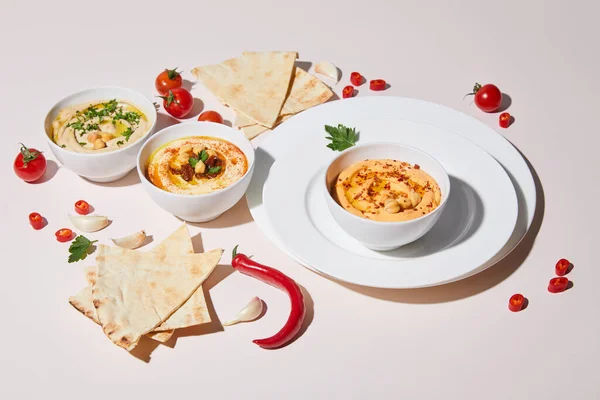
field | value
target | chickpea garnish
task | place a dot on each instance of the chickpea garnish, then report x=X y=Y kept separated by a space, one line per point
x=392 y=206
x=183 y=158
x=107 y=136
x=92 y=137
x=198 y=148
x=211 y=153
x=200 y=167
x=99 y=144
x=185 y=149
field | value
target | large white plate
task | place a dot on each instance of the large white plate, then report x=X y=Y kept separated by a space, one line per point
x=288 y=136
x=478 y=220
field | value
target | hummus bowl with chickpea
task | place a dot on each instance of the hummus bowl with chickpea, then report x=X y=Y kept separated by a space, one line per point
x=98 y=132
x=196 y=170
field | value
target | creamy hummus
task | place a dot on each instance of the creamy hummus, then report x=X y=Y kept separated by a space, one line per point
x=387 y=190
x=196 y=165
x=99 y=127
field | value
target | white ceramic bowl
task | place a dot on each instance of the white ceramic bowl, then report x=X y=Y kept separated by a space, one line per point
x=196 y=207
x=378 y=235
x=101 y=167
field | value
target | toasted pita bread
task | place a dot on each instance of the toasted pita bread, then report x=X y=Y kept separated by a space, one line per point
x=307 y=91
x=255 y=84
x=253 y=131
x=135 y=292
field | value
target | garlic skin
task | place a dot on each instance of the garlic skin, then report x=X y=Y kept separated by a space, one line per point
x=132 y=241
x=250 y=312
x=328 y=69
x=89 y=223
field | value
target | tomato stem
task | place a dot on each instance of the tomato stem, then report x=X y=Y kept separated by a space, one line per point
x=476 y=88
x=172 y=73
x=28 y=155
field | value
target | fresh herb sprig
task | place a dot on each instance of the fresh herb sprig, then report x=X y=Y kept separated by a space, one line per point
x=79 y=248
x=342 y=137
x=202 y=156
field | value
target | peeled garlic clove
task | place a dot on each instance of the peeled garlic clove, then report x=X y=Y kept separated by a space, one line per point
x=89 y=223
x=132 y=241
x=328 y=69
x=249 y=313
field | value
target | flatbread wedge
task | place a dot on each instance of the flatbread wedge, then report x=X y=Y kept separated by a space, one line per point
x=135 y=292
x=255 y=84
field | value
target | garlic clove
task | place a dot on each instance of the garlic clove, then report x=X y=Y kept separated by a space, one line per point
x=328 y=69
x=89 y=223
x=132 y=241
x=250 y=312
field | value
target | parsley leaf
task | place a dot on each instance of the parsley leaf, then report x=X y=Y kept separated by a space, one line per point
x=79 y=248
x=342 y=137
x=64 y=146
x=203 y=156
x=127 y=133
x=120 y=143
x=82 y=143
x=193 y=161
x=214 y=170
x=77 y=126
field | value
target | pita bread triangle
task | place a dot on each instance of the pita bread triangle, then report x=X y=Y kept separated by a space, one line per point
x=255 y=84
x=135 y=291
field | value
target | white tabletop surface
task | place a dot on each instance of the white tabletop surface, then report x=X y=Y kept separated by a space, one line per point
x=457 y=341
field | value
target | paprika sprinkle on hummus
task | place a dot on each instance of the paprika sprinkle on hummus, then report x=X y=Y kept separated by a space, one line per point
x=387 y=190
x=196 y=165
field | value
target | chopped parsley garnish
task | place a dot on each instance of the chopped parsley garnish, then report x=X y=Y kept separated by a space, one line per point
x=77 y=126
x=79 y=248
x=120 y=143
x=202 y=156
x=127 y=133
x=82 y=143
x=214 y=170
x=342 y=137
x=64 y=146
x=93 y=127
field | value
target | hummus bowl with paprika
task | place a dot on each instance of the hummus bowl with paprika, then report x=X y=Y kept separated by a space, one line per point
x=196 y=170
x=386 y=195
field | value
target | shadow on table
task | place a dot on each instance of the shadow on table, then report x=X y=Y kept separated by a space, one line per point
x=476 y=283
x=239 y=214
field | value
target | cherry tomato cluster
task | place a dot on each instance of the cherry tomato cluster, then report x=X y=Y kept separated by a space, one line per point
x=357 y=79
x=63 y=235
x=556 y=285
x=488 y=98
x=177 y=100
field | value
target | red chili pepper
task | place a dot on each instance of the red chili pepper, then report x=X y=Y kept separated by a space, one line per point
x=356 y=78
x=377 y=84
x=558 y=285
x=82 y=207
x=516 y=302
x=504 y=120
x=283 y=282
x=348 y=91
x=36 y=221
x=64 y=235
x=562 y=267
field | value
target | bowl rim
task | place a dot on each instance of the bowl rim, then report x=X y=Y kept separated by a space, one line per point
x=92 y=89
x=161 y=132
x=388 y=223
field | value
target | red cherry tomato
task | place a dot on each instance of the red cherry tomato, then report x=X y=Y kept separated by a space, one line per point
x=562 y=267
x=30 y=164
x=558 y=285
x=348 y=91
x=64 y=235
x=516 y=302
x=178 y=102
x=167 y=80
x=377 y=84
x=356 y=78
x=504 y=120
x=211 y=116
x=487 y=97
x=36 y=221
x=82 y=207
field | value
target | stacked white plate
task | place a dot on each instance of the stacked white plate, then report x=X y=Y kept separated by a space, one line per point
x=491 y=205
